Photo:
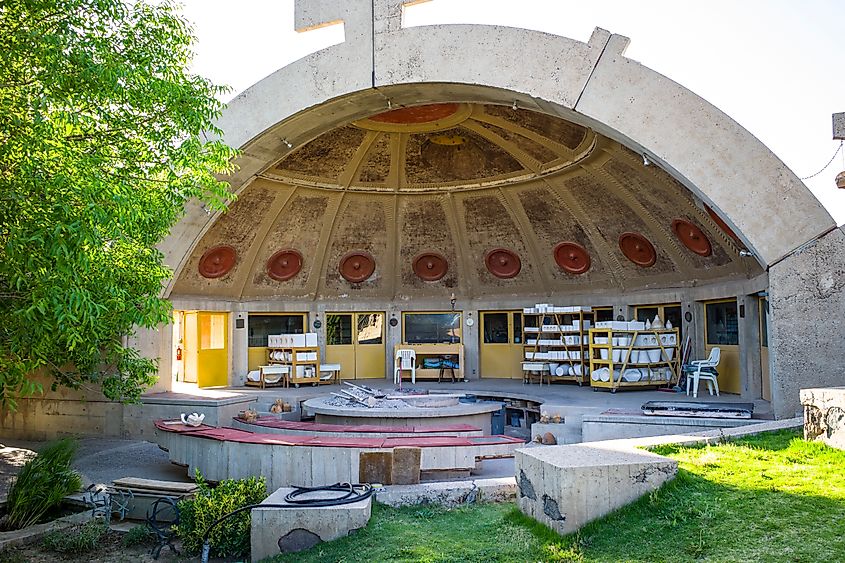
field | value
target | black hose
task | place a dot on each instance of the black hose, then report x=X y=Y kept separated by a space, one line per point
x=351 y=495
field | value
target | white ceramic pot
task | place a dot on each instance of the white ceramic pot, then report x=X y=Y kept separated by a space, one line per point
x=654 y=355
x=603 y=353
x=617 y=354
x=631 y=375
x=635 y=356
x=668 y=354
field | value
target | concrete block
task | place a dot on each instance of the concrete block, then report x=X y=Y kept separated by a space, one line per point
x=406 y=466
x=565 y=487
x=452 y=493
x=824 y=415
x=293 y=528
x=375 y=467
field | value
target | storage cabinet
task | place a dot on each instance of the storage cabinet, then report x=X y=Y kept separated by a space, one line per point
x=303 y=363
x=555 y=341
x=633 y=358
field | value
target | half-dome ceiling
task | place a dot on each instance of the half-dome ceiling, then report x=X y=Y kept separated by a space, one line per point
x=474 y=199
x=437 y=147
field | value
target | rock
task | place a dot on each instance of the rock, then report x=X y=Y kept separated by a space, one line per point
x=549 y=439
x=544 y=419
x=538 y=439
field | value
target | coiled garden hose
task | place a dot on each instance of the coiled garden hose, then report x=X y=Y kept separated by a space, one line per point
x=294 y=499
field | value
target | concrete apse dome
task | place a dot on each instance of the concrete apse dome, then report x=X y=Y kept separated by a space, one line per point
x=506 y=167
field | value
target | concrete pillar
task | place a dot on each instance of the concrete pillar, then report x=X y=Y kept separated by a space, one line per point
x=239 y=337
x=750 y=371
x=394 y=338
x=690 y=328
x=157 y=344
x=470 y=340
x=697 y=352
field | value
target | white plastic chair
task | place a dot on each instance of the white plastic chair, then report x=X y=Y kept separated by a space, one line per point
x=405 y=360
x=697 y=375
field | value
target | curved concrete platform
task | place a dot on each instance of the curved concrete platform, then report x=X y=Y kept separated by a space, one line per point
x=274 y=425
x=284 y=460
x=474 y=414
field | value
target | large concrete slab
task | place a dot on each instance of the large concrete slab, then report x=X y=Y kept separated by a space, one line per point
x=824 y=415
x=294 y=528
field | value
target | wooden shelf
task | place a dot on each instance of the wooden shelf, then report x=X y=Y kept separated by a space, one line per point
x=291 y=378
x=434 y=350
x=536 y=334
x=619 y=366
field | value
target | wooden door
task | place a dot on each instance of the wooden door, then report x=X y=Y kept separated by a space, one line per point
x=501 y=344
x=369 y=345
x=721 y=328
x=212 y=349
x=356 y=342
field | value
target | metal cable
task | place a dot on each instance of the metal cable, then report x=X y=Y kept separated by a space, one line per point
x=829 y=162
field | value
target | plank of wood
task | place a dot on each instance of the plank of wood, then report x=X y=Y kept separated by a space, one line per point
x=154 y=485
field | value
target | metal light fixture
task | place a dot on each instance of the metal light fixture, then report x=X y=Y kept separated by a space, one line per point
x=452 y=300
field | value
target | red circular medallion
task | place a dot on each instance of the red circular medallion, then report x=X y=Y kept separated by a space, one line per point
x=503 y=263
x=572 y=257
x=217 y=261
x=724 y=226
x=637 y=249
x=692 y=237
x=357 y=266
x=430 y=266
x=417 y=114
x=284 y=265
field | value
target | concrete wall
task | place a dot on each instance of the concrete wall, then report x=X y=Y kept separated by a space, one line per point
x=807 y=329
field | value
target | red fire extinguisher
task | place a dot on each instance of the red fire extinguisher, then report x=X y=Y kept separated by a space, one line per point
x=178 y=353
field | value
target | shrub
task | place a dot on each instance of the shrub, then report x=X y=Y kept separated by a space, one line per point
x=137 y=535
x=77 y=540
x=42 y=484
x=231 y=537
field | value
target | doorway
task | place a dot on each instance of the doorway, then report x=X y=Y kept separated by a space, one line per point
x=202 y=352
x=501 y=344
x=666 y=312
x=721 y=329
x=356 y=342
x=766 y=390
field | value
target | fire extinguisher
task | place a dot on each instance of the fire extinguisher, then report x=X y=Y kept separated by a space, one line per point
x=178 y=353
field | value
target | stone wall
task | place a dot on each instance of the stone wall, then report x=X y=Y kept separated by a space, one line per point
x=806 y=326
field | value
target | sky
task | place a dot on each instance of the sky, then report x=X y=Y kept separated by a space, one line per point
x=775 y=66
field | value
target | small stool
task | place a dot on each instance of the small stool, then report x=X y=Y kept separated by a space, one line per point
x=443 y=368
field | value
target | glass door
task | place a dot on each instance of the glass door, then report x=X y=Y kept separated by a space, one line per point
x=356 y=342
x=501 y=344
x=721 y=329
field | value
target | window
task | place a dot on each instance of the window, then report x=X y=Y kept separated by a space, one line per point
x=212 y=331
x=261 y=326
x=496 y=328
x=603 y=314
x=432 y=328
x=370 y=328
x=722 y=323
x=338 y=330
x=671 y=312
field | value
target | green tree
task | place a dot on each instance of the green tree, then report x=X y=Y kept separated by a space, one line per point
x=102 y=142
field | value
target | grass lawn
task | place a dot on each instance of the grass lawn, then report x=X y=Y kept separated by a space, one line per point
x=767 y=498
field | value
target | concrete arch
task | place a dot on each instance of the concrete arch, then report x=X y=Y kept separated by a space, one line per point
x=382 y=65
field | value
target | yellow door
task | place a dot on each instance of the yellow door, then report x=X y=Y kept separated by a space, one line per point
x=369 y=346
x=721 y=329
x=501 y=344
x=189 y=352
x=339 y=347
x=356 y=342
x=212 y=349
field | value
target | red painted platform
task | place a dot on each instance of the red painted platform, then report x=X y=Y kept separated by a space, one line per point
x=244 y=436
x=273 y=422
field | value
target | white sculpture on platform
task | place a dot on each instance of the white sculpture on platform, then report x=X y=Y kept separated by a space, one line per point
x=193 y=419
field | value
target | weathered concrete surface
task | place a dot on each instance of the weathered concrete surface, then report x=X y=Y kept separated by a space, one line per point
x=278 y=530
x=451 y=493
x=807 y=328
x=824 y=415
x=67 y=412
x=565 y=487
